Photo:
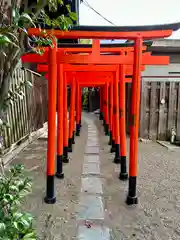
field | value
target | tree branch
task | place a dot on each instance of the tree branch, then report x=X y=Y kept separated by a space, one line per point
x=41 y=5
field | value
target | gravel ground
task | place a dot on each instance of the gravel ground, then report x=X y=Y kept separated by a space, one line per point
x=156 y=217
x=63 y=213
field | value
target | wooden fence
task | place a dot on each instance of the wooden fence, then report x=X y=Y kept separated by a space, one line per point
x=159 y=109
x=29 y=113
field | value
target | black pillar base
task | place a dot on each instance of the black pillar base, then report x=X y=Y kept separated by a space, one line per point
x=60 y=175
x=132 y=198
x=106 y=128
x=78 y=129
x=70 y=145
x=123 y=173
x=104 y=124
x=59 y=170
x=48 y=200
x=50 y=197
x=100 y=116
x=77 y=133
x=65 y=155
x=73 y=138
x=113 y=148
x=117 y=158
x=65 y=159
x=110 y=138
x=123 y=176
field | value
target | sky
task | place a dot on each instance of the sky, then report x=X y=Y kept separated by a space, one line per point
x=131 y=12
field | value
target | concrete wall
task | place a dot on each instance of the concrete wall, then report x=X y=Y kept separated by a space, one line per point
x=163 y=70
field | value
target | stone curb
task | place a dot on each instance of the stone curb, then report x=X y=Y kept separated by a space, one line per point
x=169 y=146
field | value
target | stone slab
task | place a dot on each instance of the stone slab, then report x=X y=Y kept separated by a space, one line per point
x=91 y=150
x=91 y=185
x=92 y=129
x=93 y=138
x=91 y=159
x=90 y=208
x=93 y=233
x=91 y=168
x=92 y=134
x=93 y=143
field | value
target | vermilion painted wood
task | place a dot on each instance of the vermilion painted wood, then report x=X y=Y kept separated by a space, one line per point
x=65 y=122
x=71 y=112
x=90 y=59
x=89 y=50
x=88 y=68
x=95 y=83
x=31 y=56
x=106 y=103
x=35 y=58
x=78 y=96
x=84 y=83
x=116 y=107
x=99 y=35
x=127 y=60
x=95 y=59
x=122 y=117
x=111 y=107
x=60 y=102
x=52 y=113
x=81 y=68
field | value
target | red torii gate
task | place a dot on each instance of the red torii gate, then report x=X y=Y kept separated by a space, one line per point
x=117 y=157
x=135 y=33
x=148 y=59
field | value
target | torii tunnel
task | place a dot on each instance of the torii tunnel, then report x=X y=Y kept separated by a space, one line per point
x=106 y=67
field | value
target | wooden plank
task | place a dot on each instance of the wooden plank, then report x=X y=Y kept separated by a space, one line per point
x=20 y=112
x=15 y=120
x=170 y=109
x=11 y=129
x=143 y=116
x=19 y=116
x=178 y=115
x=45 y=101
x=26 y=102
x=153 y=113
x=128 y=106
x=24 y=108
x=9 y=139
x=12 y=121
x=147 y=92
x=176 y=85
x=162 y=113
x=29 y=100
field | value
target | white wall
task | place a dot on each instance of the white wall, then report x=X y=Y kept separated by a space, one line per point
x=162 y=70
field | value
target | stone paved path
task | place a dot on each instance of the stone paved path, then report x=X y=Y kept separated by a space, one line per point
x=91 y=219
x=91 y=199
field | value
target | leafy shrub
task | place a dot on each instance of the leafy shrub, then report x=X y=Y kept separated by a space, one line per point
x=14 y=223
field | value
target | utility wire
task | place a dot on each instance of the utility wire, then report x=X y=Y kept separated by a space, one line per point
x=89 y=6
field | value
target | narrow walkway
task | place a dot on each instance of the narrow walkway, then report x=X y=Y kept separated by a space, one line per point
x=91 y=210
